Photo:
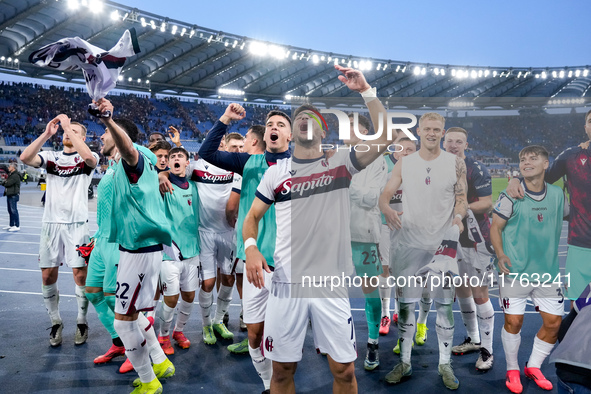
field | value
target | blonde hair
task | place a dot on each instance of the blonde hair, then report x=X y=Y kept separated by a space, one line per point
x=81 y=126
x=432 y=116
x=457 y=130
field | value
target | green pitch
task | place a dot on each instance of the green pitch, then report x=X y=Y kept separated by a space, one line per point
x=500 y=184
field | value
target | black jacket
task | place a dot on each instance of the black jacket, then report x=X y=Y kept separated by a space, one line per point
x=13 y=184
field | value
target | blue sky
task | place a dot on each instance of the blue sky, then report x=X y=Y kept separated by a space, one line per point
x=518 y=33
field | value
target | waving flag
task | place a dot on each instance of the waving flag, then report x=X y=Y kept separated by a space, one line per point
x=100 y=68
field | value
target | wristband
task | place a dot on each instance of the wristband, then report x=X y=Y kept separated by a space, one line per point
x=369 y=95
x=460 y=216
x=249 y=242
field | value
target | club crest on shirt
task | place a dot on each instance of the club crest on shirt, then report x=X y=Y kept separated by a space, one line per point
x=269 y=344
x=189 y=202
x=540 y=217
x=428 y=180
x=324 y=162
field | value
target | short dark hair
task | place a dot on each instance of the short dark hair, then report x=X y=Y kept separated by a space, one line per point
x=156 y=146
x=156 y=133
x=276 y=112
x=129 y=127
x=363 y=121
x=304 y=107
x=178 y=149
x=259 y=133
x=537 y=150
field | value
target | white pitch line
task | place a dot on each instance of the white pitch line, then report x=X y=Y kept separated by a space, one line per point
x=19 y=242
x=196 y=303
x=22 y=254
x=29 y=270
x=19 y=233
x=31 y=293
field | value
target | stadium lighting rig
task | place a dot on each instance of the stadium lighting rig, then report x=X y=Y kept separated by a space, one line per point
x=287 y=53
x=567 y=101
x=230 y=92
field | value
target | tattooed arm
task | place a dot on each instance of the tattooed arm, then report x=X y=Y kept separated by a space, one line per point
x=461 y=190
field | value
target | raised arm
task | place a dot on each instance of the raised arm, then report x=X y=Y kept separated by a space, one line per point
x=29 y=155
x=355 y=80
x=255 y=262
x=461 y=190
x=392 y=217
x=229 y=161
x=175 y=136
x=124 y=144
x=77 y=141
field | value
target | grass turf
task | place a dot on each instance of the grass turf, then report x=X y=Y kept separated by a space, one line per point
x=499 y=184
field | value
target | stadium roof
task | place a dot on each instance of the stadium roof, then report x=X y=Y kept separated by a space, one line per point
x=181 y=58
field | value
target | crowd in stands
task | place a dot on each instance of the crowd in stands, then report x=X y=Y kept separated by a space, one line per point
x=26 y=108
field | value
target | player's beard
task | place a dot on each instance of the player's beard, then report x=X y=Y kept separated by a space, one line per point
x=68 y=143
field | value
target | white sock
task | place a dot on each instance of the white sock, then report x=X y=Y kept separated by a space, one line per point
x=424 y=308
x=539 y=353
x=406 y=330
x=396 y=303
x=511 y=344
x=135 y=348
x=184 y=314
x=224 y=299
x=51 y=300
x=152 y=313
x=486 y=322
x=444 y=326
x=82 y=304
x=263 y=366
x=385 y=292
x=166 y=316
x=468 y=308
x=156 y=352
x=205 y=302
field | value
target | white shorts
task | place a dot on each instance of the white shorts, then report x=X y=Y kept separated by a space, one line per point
x=238 y=266
x=217 y=251
x=545 y=297
x=287 y=321
x=477 y=265
x=254 y=301
x=137 y=280
x=179 y=275
x=384 y=245
x=59 y=242
x=407 y=261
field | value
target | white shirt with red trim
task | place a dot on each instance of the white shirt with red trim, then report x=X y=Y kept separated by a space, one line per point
x=313 y=211
x=214 y=186
x=68 y=179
